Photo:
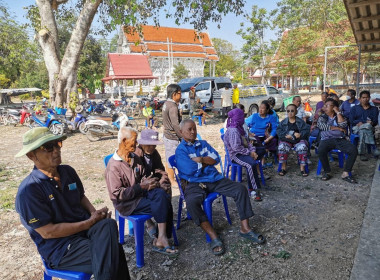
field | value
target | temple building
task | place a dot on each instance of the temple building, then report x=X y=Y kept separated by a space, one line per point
x=166 y=47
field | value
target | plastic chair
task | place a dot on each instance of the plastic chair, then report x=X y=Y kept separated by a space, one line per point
x=237 y=169
x=64 y=274
x=136 y=228
x=199 y=137
x=311 y=140
x=199 y=119
x=207 y=203
x=340 y=159
x=354 y=139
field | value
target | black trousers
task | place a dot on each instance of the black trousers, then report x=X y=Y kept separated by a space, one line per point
x=194 y=196
x=158 y=204
x=225 y=111
x=99 y=254
x=325 y=146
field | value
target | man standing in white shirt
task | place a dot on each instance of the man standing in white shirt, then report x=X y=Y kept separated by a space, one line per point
x=226 y=101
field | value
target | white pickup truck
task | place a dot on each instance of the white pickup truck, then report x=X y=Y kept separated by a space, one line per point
x=252 y=96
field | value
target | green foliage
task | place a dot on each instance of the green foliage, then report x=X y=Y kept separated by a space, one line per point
x=180 y=72
x=74 y=101
x=156 y=89
x=4 y=81
x=282 y=255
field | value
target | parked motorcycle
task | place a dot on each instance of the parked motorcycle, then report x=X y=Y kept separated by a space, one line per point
x=80 y=119
x=100 y=126
x=51 y=120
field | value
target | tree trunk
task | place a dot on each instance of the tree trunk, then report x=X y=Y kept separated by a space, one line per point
x=63 y=74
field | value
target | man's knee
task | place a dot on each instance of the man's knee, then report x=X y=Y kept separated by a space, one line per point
x=107 y=223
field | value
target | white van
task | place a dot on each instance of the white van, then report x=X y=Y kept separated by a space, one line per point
x=208 y=89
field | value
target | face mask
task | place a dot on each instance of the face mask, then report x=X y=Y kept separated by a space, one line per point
x=348 y=97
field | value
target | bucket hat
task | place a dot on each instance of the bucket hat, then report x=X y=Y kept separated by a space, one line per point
x=149 y=137
x=35 y=138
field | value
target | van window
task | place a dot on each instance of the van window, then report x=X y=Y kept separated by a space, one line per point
x=223 y=85
x=272 y=90
x=203 y=86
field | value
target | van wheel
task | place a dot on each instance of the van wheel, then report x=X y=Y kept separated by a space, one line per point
x=253 y=109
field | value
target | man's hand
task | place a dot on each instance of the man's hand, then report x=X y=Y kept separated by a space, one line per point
x=359 y=124
x=204 y=160
x=297 y=135
x=336 y=110
x=164 y=181
x=254 y=155
x=288 y=136
x=149 y=183
x=100 y=214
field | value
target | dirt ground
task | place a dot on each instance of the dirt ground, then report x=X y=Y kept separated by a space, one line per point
x=312 y=227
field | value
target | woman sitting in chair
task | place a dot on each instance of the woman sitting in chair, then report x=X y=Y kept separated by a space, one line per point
x=263 y=127
x=293 y=132
x=241 y=151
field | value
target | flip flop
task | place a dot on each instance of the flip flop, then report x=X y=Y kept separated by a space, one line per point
x=216 y=243
x=164 y=250
x=257 y=238
x=325 y=177
x=349 y=179
x=304 y=173
x=282 y=172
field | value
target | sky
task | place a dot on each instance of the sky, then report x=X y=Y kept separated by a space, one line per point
x=228 y=27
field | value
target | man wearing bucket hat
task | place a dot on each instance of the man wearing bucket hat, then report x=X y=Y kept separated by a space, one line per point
x=66 y=228
x=132 y=192
x=153 y=166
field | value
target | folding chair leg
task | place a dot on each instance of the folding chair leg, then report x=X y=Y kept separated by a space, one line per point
x=174 y=233
x=319 y=168
x=240 y=173
x=47 y=277
x=233 y=173
x=341 y=160
x=279 y=167
x=139 y=243
x=121 y=229
x=262 y=173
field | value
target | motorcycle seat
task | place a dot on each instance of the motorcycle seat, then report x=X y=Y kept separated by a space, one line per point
x=103 y=118
x=14 y=112
x=41 y=118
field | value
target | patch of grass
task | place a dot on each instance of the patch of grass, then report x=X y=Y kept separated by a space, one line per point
x=97 y=201
x=282 y=255
x=7 y=198
x=4 y=174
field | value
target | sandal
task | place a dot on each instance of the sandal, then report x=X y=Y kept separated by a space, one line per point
x=349 y=179
x=282 y=172
x=164 y=250
x=325 y=176
x=304 y=173
x=257 y=238
x=152 y=232
x=216 y=243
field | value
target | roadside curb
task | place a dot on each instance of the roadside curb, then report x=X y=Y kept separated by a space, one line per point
x=367 y=258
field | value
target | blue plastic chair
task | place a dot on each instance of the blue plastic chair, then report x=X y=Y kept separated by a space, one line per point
x=199 y=119
x=306 y=166
x=136 y=228
x=64 y=274
x=340 y=159
x=237 y=169
x=199 y=137
x=207 y=203
x=354 y=139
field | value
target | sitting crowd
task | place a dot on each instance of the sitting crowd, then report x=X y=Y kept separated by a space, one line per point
x=71 y=234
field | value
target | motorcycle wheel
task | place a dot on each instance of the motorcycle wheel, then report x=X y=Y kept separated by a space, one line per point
x=92 y=137
x=57 y=129
x=133 y=124
x=6 y=120
x=82 y=128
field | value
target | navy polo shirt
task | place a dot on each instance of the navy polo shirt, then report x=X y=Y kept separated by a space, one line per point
x=40 y=202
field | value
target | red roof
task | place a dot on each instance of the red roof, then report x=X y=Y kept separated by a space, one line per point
x=186 y=42
x=128 y=67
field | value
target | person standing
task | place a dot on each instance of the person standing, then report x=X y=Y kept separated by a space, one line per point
x=235 y=96
x=191 y=100
x=171 y=120
x=226 y=101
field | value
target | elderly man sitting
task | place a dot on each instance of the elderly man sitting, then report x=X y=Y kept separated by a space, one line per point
x=196 y=162
x=69 y=233
x=132 y=193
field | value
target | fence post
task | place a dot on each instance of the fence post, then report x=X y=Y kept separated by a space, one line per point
x=358 y=71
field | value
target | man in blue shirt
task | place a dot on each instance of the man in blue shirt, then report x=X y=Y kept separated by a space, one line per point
x=351 y=101
x=196 y=162
x=70 y=234
x=363 y=119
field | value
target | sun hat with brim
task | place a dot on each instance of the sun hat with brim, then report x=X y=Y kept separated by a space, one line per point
x=149 y=137
x=35 y=138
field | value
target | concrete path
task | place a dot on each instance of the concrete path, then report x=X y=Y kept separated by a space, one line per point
x=367 y=258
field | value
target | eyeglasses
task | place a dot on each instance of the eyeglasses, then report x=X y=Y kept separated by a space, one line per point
x=49 y=147
x=290 y=111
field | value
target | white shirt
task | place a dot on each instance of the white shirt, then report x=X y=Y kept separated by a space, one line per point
x=227 y=97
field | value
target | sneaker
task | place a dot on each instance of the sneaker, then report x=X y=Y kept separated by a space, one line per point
x=363 y=158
